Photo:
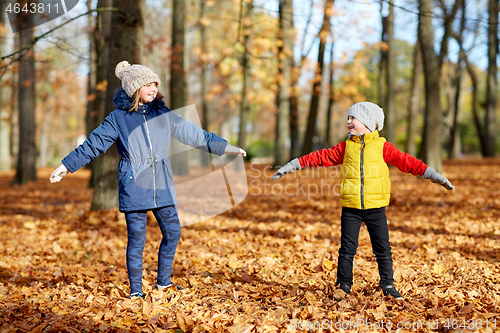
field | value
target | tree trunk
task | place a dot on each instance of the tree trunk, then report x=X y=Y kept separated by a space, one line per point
x=448 y=85
x=331 y=99
x=489 y=117
x=101 y=37
x=245 y=64
x=91 y=81
x=454 y=147
x=386 y=78
x=14 y=111
x=178 y=77
x=316 y=91
x=430 y=151
x=294 y=116
x=43 y=141
x=475 y=106
x=390 y=110
x=431 y=142
x=178 y=96
x=383 y=62
x=205 y=158
x=91 y=76
x=26 y=163
x=294 y=91
x=414 y=98
x=127 y=29
x=4 y=112
x=284 y=78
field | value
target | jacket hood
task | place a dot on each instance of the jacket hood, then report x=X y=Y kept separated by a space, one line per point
x=122 y=101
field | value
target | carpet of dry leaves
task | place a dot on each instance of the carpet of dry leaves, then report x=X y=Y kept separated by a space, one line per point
x=267 y=265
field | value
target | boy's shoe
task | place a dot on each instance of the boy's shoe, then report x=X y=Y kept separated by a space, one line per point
x=158 y=287
x=137 y=295
x=345 y=287
x=391 y=291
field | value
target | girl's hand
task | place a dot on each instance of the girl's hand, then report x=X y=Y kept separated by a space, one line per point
x=57 y=175
x=232 y=150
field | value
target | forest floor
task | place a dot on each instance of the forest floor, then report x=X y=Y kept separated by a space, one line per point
x=267 y=265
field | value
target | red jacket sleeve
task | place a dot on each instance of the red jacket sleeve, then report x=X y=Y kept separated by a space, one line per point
x=403 y=161
x=324 y=157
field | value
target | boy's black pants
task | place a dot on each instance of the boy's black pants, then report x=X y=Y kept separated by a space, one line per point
x=376 y=223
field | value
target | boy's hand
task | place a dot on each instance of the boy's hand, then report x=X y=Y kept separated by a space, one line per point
x=232 y=150
x=57 y=175
x=287 y=168
x=436 y=177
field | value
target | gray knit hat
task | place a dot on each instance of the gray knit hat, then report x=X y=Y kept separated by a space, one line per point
x=369 y=114
x=134 y=77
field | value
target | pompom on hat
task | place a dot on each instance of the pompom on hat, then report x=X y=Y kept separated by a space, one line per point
x=369 y=114
x=134 y=77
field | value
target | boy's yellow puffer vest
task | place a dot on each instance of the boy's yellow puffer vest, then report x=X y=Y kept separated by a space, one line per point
x=365 y=179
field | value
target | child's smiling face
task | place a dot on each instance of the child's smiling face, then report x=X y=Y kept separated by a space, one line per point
x=356 y=127
x=148 y=92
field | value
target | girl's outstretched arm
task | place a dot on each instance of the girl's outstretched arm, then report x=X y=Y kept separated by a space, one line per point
x=189 y=134
x=233 y=150
x=98 y=142
x=58 y=174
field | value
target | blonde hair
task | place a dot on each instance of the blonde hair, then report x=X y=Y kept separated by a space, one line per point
x=137 y=98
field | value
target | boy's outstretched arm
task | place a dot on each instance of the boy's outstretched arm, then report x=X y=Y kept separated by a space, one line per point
x=436 y=177
x=409 y=164
x=287 y=168
x=321 y=158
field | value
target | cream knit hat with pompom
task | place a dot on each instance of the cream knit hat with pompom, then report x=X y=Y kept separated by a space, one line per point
x=134 y=77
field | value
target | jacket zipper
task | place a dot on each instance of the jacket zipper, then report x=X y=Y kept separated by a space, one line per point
x=152 y=160
x=362 y=173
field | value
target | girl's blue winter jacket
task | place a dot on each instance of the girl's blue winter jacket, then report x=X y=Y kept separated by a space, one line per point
x=142 y=137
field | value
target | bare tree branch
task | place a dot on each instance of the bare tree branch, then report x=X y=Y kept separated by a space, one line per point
x=19 y=54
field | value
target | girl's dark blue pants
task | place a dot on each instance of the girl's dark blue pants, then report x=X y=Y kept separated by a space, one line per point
x=168 y=221
x=376 y=223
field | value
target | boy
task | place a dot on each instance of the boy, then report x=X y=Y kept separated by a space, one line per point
x=365 y=188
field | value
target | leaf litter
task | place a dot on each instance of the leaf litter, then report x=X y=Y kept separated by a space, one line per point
x=264 y=266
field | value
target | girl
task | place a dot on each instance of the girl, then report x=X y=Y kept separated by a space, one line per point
x=142 y=126
x=365 y=188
